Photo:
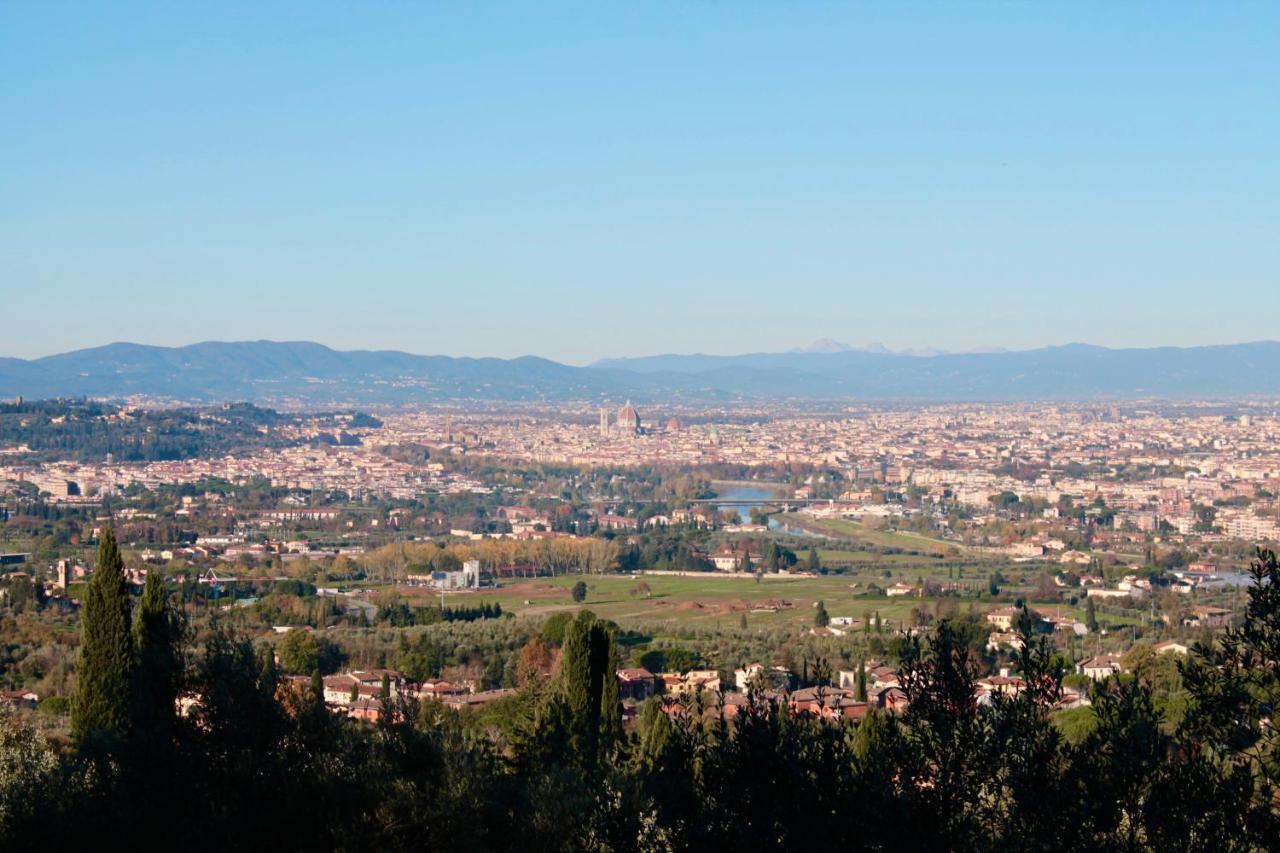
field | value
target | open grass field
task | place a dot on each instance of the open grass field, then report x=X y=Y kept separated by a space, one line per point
x=711 y=600
x=859 y=532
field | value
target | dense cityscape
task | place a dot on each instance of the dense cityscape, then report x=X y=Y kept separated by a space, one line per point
x=739 y=559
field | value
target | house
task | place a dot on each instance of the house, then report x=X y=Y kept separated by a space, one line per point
x=1008 y=639
x=637 y=683
x=1005 y=685
x=1098 y=592
x=692 y=682
x=437 y=689
x=1208 y=617
x=473 y=700
x=729 y=556
x=883 y=677
x=1002 y=617
x=338 y=689
x=374 y=678
x=900 y=589
x=828 y=703
x=1067 y=625
x=892 y=699
x=1100 y=667
x=757 y=675
x=369 y=710
x=1170 y=646
x=744 y=676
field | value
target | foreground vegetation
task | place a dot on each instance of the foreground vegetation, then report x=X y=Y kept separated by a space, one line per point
x=260 y=762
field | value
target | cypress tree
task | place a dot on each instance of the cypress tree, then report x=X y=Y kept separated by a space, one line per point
x=100 y=709
x=591 y=709
x=158 y=675
x=820 y=617
x=861 y=695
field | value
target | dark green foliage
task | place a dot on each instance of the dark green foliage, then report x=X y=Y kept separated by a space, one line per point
x=551 y=768
x=669 y=660
x=301 y=652
x=820 y=617
x=585 y=713
x=157 y=639
x=579 y=591
x=401 y=615
x=100 y=711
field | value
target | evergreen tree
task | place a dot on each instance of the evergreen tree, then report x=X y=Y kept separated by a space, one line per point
x=815 y=565
x=157 y=635
x=861 y=693
x=820 y=617
x=1090 y=616
x=587 y=709
x=100 y=709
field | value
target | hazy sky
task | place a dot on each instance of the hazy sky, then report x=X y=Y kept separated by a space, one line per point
x=600 y=179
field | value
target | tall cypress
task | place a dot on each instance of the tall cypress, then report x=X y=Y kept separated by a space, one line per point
x=100 y=708
x=588 y=690
x=156 y=639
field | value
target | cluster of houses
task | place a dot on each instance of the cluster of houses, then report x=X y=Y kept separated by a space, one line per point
x=1101 y=667
x=365 y=694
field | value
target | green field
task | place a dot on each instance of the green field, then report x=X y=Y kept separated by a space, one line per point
x=710 y=600
x=905 y=540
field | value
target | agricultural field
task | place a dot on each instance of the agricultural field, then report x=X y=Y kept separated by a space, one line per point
x=719 y=600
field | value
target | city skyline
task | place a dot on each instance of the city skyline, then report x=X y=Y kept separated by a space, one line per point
x=579 y=182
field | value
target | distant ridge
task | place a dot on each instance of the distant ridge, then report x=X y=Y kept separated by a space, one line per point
x=307 y=373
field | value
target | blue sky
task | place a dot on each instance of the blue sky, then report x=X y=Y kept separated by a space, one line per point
x=603 y=179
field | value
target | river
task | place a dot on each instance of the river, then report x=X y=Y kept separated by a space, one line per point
x=729 y=497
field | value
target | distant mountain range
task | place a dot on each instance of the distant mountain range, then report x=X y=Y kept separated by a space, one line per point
x=311 y=374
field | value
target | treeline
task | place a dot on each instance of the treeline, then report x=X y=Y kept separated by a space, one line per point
x=400 y=615
x=558 y=555
x=260 y=763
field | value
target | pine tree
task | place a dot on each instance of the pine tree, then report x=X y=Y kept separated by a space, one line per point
x=100 y=709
